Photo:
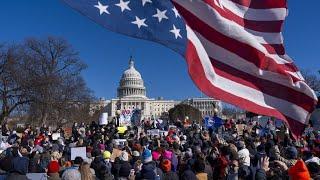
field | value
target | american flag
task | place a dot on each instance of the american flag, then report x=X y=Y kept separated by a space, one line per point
x=234 y=48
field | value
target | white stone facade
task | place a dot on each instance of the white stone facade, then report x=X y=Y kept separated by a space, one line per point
x=205 y=105
x=132 y=95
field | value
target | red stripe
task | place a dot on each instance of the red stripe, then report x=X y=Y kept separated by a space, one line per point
x=275 y=49
x=198 y=76
x=262 y=4
x=261 y=26
x=243 y=50
x=265 y=86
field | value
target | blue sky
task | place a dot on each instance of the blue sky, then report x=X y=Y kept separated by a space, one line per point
x=107 y=53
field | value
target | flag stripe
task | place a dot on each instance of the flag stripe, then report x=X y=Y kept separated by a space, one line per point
x=265 y=86
x=275 y=48
x=240 y=90
x=233 y=60
x=198 y=75
x=270 y=14
x=243 y=50
x=233 y=39
x=256 y=25
x=262 y=4
x=201 y=9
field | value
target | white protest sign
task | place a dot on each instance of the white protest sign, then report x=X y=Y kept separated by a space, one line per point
x=55 y=136
x=78 y=151
x=153 y=132
x=39 y=176
x=163 y=133
x=120 y=141
x=103 y=120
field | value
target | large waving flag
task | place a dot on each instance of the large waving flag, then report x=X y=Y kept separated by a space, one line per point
x=234 y=48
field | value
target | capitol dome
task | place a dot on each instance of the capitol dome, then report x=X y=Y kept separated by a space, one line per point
x=131 y=83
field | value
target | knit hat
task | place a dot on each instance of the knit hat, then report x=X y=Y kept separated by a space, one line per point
x=53 y=167
x=106 y=155
x=146 y=156
x=166 y=165
x=241 y=145
x=135 y=154
x=299 y=171
x=155 y=155
x=292 y=152
x=167 y=154
x=124 y=156
x=102 y=147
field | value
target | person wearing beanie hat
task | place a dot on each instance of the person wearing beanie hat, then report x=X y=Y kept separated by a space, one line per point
x=146 y=156
x=106 y=155
x=299 y=171
x=53 y=170
x=149 y=168
x=291 y=153
x=155 y=155
x=165 y=165
x=135 y=158
x=167 y=154
x=125 y=167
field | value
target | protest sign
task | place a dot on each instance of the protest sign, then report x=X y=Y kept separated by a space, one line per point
x=153 y=132
x=55 y=136
x=103 y=120
x=121 y=129
x=125 y=118
x=37 y=176
x=209 y=122
x=78 y=151
x=120 y=141
x=240 y=128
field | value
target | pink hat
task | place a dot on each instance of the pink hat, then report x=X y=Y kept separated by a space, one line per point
x=167 y=154
x=102 y=147
x=155 y=155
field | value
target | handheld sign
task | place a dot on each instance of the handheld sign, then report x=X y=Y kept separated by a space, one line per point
x=103 y=120
x=78 y=151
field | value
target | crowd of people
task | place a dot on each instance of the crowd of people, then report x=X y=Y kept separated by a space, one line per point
x=180 y=152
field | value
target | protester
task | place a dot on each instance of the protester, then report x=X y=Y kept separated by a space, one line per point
x=187 y=152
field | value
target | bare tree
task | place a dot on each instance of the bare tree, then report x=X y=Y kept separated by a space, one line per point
x=60 y=87
x=13 y=84
x=42 y=79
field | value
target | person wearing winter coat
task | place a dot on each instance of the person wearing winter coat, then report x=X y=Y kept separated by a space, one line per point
x=125 y=166
x=168 y=174
x=149 y=168
x=19 y=166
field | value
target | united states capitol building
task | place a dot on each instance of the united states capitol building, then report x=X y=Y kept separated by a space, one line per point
x=132 y=94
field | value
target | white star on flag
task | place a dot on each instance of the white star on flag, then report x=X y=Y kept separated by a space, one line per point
x=176 y=13
x=160 y=15
x=124 y=5
x=145 y=1
x=102 y=8
x=176 y=32
x=139 y=22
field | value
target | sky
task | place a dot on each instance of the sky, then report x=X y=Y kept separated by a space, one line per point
x=107 y=54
